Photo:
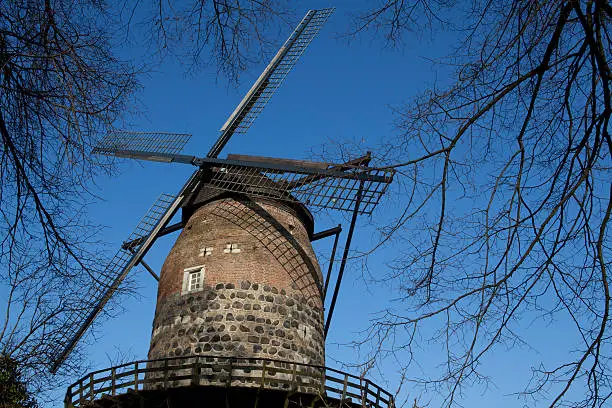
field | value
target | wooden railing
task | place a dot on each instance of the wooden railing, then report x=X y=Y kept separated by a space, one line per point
x=227 y=371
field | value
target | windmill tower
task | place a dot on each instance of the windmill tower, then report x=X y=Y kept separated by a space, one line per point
x=240 y=317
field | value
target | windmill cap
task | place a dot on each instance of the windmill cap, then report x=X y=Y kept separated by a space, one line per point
x=207 y=194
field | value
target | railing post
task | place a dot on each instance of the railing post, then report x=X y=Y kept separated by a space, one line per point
x=80 y=392
x=344 y=388
x=231 y=368
x=165 y=373
x=364 y=395
x=136 y=377
x=293 y=377
x=91 y=386
x=263 y=373
x=323 y=379
x=68 y=398
x=195 y=372
x=377 y=396
x=113 y=381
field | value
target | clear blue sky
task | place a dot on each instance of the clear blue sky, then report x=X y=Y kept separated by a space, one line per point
x=338 y=91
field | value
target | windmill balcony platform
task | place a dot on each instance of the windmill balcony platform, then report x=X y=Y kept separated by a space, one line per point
x=210 y=381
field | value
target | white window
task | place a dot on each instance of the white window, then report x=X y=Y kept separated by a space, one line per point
x=231 y=249
x=193 y=279
x=206 y=251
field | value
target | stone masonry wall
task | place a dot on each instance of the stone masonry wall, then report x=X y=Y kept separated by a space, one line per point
x=247 y=320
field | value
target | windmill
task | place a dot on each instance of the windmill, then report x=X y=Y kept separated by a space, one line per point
x=241 y=294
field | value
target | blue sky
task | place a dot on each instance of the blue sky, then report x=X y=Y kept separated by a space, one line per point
x=339 y=90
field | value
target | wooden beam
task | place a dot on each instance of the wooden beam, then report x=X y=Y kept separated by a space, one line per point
x=274 y=160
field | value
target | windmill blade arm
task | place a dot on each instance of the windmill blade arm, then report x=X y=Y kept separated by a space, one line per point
x=270 y=80
x=154 y=142
x=291 y=170
x=146 y=233
x=291 y=162
x=147 y=155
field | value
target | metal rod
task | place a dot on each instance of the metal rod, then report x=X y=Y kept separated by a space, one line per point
x=327 y=233
x=331 y=260
x=343 y=262
x=149 y=269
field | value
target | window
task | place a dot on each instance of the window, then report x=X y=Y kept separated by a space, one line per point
x=231 y=249
x=206 y=251
x=193 y=279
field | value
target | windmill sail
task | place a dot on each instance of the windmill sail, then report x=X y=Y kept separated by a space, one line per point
x=272 y=77
x=116 y=271
x=158 y=142
x=329 y=188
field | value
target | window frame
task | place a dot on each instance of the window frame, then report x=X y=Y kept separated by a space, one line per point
x=232 y=248
x=197 y=271
x=206 y=251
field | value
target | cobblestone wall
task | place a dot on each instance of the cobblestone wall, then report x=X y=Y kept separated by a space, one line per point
x=250 y=320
